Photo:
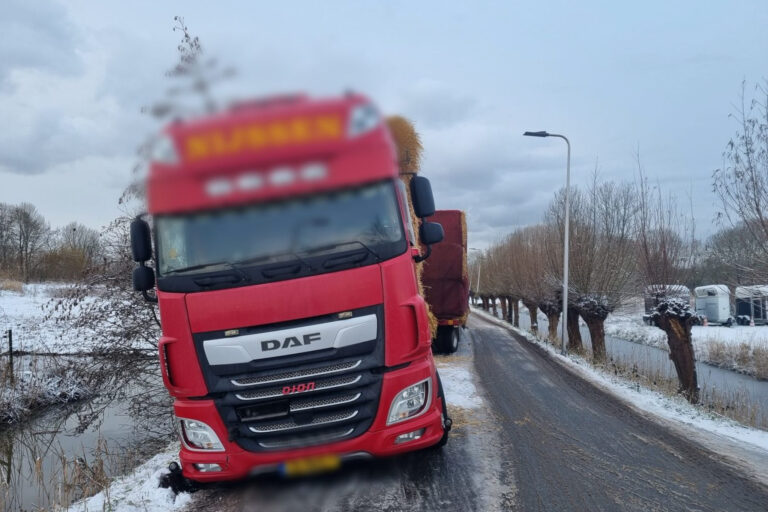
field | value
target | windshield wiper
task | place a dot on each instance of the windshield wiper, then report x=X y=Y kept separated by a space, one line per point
x=339 y=244
x=229 y=265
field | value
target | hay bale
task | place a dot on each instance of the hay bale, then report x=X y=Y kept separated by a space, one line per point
x=409 y=150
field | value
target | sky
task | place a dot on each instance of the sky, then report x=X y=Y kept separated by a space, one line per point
x=656 y=77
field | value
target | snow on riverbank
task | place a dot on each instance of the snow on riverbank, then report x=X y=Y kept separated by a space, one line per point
x=138 y=491
x=672 y=409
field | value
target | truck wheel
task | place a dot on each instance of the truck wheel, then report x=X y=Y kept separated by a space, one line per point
x=453 y=340
x=446 y=420
x=447 y=340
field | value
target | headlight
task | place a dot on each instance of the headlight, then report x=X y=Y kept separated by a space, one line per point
x=362 y=119
x=410 y=402
x=164 y=150
x=196 y=435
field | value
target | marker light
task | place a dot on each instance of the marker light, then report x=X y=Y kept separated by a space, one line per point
x=250 y=181
x=410 y=402
x=207 y=468
x=282 y=176
x=218 y=187
x=198 y=436
x=164 y=151
x=313 y=171
x=362 y=119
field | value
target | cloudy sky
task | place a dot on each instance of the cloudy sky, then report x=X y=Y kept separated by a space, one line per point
x=614 y=76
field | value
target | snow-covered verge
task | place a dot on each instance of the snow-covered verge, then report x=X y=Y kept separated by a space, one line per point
x=458 y=382
x=139 y=490
x=672 y=409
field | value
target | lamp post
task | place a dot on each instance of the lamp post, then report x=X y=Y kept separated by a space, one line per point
x=567 y=230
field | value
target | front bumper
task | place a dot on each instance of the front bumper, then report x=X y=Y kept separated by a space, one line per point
x=378 y=441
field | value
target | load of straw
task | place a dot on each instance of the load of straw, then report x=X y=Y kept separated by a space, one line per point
x=409 y=148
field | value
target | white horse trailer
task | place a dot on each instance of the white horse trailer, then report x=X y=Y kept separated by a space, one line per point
x=752 y=304
x=714 y=303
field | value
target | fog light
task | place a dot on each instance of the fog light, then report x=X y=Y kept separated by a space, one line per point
x=410 y=402
x=198 y=436
x=207 y=468
x=410 y=436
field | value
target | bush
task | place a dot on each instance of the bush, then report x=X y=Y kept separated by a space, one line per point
x=11 y=285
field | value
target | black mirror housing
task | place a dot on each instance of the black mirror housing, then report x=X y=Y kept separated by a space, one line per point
x=431 y=233
x=421 y=195
x=141 y=241
x=143 y=278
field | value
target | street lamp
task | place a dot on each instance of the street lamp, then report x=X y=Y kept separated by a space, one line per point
x=567 y=230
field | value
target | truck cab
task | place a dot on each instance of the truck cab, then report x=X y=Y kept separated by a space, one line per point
x=292 y=326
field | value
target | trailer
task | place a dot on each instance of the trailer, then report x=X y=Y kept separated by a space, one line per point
x=713 y=302
x=655 y=293
x=446 y=281
x=751 y=304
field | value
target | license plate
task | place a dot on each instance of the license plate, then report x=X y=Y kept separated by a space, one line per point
x=310 y=465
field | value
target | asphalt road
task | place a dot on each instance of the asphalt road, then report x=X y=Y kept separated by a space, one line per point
x=544 y=440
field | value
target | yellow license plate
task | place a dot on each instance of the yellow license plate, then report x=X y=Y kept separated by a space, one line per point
x=310 y=465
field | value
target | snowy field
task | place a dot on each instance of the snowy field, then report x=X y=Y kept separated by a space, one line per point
x=24 y=313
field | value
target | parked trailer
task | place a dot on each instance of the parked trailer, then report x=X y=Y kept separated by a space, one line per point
x=655 y=293
x=714 y=303
x=446 y=281
x=752 y=304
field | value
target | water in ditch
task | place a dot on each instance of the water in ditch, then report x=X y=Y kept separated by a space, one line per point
x=66 y=452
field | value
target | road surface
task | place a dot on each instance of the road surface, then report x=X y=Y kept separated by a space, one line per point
x=544 y=440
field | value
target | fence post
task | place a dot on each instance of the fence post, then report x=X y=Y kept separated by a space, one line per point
x=10 y=353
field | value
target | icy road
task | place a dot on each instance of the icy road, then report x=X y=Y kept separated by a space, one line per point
x=535 y=437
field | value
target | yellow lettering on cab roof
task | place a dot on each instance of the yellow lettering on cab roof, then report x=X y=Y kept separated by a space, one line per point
x=259 y=136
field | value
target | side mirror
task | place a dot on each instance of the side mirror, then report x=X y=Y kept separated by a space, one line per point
x=421 y=194
x=141 y=241
x=143 y=278
x=431 y=233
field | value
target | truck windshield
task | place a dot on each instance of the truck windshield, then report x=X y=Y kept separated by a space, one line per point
x=364 y=219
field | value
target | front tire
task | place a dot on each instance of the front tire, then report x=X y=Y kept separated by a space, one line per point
x=446 y=420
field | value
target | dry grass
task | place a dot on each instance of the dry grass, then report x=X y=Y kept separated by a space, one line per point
x=11 y=285
x=760 y=358
x=743 y=357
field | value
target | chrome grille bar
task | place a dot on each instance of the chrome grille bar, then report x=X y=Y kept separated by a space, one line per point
x=318 y=403
x=298 y=374
x=320 y=420
x=264 y=394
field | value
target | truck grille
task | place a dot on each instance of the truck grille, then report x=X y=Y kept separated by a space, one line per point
x=302 y=400
x=300 y=374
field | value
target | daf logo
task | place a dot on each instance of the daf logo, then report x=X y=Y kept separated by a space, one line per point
x=289 y=342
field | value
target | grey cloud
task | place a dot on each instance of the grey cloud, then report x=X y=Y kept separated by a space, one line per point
x=37 y=35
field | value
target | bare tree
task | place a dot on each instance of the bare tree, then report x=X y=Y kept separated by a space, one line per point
x=602 y=268
x=664 y=257
x=742 y=184
x=32 y=234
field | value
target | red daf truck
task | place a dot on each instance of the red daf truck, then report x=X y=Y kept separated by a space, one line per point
x=293 y=334
x=446 y=281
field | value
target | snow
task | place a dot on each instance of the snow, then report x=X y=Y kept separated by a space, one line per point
x=24 y=313
x=674 y=409
x=138 y=491
x=458 y=385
